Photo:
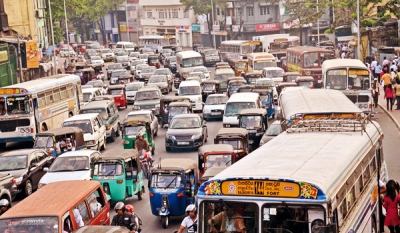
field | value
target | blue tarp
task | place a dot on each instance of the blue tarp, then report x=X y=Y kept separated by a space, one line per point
x=49 y=51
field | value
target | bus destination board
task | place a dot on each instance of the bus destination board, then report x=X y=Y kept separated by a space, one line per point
x=264 y=188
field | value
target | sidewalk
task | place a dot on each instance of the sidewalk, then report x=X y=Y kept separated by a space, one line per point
x=394 y=114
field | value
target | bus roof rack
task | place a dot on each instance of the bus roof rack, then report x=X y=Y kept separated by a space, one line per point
x=327 y=125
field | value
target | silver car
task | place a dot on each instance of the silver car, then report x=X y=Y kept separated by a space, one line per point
x=148 y=114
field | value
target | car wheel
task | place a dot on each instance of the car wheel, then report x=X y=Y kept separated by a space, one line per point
x=28 y=188
x=118 y=133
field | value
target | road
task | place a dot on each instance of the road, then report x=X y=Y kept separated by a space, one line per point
x=152 y=224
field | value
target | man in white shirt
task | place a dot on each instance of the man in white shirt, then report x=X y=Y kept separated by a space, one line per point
x=189 y=221
x=393 y=66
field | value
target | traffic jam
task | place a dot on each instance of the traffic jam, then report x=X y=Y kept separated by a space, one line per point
x=138 y=137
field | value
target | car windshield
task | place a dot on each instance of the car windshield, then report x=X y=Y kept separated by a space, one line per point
x=115 y=67
x=153 y=59
x=161 y=72
x=30 y=224
x=116 y=91
x=83 y=124
x=273 y=130
x=148 y=70
x=122 y=59
x=166 y=180
x=15 y=162
x=259 y=65
x=13 y=105
x=264 y=98
x=95 y=58
x=43 y=142
x=70 y=163
x=234 y=108
x=250 y=122
x=305 y=84
x=189 y=90
x=218 y=161
x=147 y=95
x=185 y=123
x=208 y=53
x=118 y=73
x=108 y=169
x=274 y=73
x=235 y=86
x=87 y=97
x=133 y=130
x=106 y=51
x=237 y=144
x=216 y=100
x=132 y=87
x=101 y=111
x=176 y=110
x=208 y=87
x=157 y=79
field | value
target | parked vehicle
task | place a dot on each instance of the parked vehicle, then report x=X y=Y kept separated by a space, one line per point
x=237 y=137
x=73 y=165
x=214 y=106
x=147 y=114
x=273 y=130
x=26 y=166
x=120 y=174
x=118 y=91
x=255 y=121
x=132 y=127
x=55 y=205
x=177 y=108
x=213 y=159
x=164 y=105
x=131 y=89
x=209 y=87
x=172 y=187
x=186 y=131
x=47 y=140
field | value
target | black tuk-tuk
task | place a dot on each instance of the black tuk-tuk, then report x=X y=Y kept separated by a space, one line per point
x=209 y=87
x=177 y=108
x=164 y=103
x=255 y=120
x=245 y=88
x=237 y=137
x=290 y=77
x=252 y=77
x=47 y=140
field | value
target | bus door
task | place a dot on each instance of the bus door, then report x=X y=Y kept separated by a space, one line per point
x=34 y=103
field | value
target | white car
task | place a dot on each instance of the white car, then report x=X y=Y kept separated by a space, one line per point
x=202 y=69
x=107 y=54
x=73 y=165
x=95 y=60
x=64 y=52
x=214 y=106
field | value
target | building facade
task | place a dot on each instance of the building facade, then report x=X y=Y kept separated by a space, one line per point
x=167 y=18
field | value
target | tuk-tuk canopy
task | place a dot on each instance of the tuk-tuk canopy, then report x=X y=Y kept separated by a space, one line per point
x=263 y=91
x=173 y=99
x=237 y=81
x=61 y=131
x=216 y=148
x=119 y=154
x=253 y=111
x=245 y=87
x=211 y=172
x=181 y=104
x=253 y=75
x=210 y=81
x=236 y=78
x=286 y=84
x=180 y=164
x=136 y=120
x=86 y=70
x=114 y=87
x=291 y=74
x=304 y=79
x=232 y=132
x=122 y=77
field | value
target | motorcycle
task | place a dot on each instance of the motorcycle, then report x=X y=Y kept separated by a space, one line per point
x=146 y=162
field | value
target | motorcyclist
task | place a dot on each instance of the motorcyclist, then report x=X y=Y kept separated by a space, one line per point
x=4 y=206
x=178 y=75
x=190 y=221
x=141 y=144
x=124 y=218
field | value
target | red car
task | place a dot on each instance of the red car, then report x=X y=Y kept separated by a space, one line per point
x=118 y=91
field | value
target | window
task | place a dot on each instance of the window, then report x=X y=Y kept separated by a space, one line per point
x=264 y=10
x=81 y=212
x=186 y=14
x=49 y=97
x=175 y=13
x=56 y=94
x=149 y=14
x=96 y=202
x=169 y=14
x=63 y=92
x=70 y=90
x=40 y=156
x=161 y=15
x=41 y=100
x=250 y=11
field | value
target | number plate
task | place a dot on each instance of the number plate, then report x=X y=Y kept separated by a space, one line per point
x=215 y=113
x=182 y=143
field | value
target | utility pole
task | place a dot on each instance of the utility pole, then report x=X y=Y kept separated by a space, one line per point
x=127 y=21
x=67 y=33
x=20 y=60
x=52 y=38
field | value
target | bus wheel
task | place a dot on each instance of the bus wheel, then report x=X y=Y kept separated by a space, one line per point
x=3 y=145
x=70 y=114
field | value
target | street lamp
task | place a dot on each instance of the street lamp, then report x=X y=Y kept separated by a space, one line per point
x=52 y=38
x=212 y=11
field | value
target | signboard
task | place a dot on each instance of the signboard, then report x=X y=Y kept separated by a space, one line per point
x=235 y=28
x=216 y=27
x=9 y=91
x=265 y=188
x=195 y=27
x=114 y=30
x=122 y=28
x=3 y=56
x=182 y=28
x=359 y=72
x=267 y=27
x=31 y=50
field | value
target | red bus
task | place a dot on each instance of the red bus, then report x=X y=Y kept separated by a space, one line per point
x=307 y=60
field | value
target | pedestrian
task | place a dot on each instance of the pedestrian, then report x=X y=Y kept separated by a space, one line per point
x=389 y=97
x=375 y=92
x=343 y=56
x=390 y=202
x=190 y=221
x=393 y=66
x=386 y=79
x=377 y=71
x=385 y=62
x=397 y=93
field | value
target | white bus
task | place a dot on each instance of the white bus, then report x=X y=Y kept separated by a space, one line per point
x=234 y=49
x=156 y=42
x=257 y=61
x=351 y=77
x=36 y=106
x=187 y=60
x=310 y=179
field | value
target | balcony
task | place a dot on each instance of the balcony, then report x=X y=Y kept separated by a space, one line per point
x=167 y=22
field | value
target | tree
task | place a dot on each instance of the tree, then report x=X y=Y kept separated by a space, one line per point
x=305 y=12
x=201 y=7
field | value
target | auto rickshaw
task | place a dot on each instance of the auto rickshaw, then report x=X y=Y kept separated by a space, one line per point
x=118 y=91
x=47 y=140
x=245 y=88
x=305 y=81
x=267 y=101
x=153 y=60
x=82 y=65
x=125 y=79
x=97 y=67
x=164 y=103
x=120 y=174
x=240 y=66
x=172 y=187
x=237 y=137
x=290 y=77
x=251 y=77
x=176 y=108
x=255 y=120
x=86 y=73
x=209 y=87
x=284 y=63
x=234 y=84
x=132 y=127
x=281 y=86
x=214 y=158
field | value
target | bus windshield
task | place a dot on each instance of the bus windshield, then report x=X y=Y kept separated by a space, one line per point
x=311 y=59
x=336 y=79
x=259 y=65
x=193 y=61
x=246 y=49
x=14 y=105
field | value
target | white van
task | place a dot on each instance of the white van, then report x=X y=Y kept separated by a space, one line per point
x=89 y=94
x=127 y=46
x=222 y=76
x=94 y=130
x=187 y=60
x=236 y=103
x=275 y=73
x=191 y=90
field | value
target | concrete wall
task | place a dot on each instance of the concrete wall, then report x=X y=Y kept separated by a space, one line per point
x=21 y=16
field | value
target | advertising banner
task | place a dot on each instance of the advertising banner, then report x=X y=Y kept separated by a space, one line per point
x=32 y=59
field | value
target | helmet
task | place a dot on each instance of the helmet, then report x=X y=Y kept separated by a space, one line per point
x=4 y=202
x=191 y=208
x=129 y=208
x=119 y=206
x=177 y=71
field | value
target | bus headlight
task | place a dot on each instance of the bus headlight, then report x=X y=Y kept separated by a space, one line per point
x=24 y=130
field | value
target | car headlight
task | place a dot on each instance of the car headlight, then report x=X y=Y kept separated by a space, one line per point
x=17 y=181
x=196 y=136
x=135 y=107
x=157 y=106
x=172 y=137
x=108 y=127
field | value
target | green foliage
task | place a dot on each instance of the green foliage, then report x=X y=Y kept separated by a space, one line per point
x=199 y=7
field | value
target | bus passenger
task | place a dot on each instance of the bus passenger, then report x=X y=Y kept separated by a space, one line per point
x=227 y=222
x=2 y=110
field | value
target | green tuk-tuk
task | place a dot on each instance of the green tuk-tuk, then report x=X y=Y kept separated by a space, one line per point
x=132 y=127
x=120 y=174
x=164 y=104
